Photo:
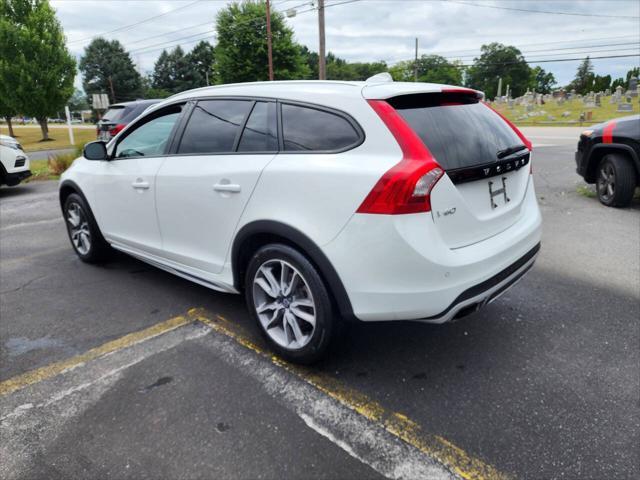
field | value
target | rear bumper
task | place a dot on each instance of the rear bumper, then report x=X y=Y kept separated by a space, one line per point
x=486 y=292
x=398 y=267
x=12 y=179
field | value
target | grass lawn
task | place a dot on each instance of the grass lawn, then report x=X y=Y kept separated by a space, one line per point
x=30 y=137
x=599 y=114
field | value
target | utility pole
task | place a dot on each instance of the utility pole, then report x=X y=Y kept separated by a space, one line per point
x=113 y=93
x=415 y=64
x=322 y=67
x=269 y=51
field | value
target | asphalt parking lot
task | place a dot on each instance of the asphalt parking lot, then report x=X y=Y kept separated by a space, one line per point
x=125 y=371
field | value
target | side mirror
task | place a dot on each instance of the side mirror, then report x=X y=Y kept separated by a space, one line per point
x=95 y=151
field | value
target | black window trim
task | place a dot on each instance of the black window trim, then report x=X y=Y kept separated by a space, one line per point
x=189 y=106
x=195 y=100
x=355 y=125
x=139 y=122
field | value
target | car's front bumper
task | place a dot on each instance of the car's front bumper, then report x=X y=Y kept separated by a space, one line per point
x=14 y=178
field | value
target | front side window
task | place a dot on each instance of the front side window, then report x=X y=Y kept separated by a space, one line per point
x=310 y=129
x=260 y=134
x=214 y=126
x=151 y=138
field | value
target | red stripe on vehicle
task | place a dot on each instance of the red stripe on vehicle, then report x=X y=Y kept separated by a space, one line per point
x=607 y=133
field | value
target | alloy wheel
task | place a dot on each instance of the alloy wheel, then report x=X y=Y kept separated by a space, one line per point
x=284 y=304
x=606 y=182
x=79 y=228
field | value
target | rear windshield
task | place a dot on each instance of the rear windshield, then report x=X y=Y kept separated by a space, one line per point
x=113 y=114
x=459 y=131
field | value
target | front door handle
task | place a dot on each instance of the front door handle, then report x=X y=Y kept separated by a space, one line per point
x=227 y=187
x=140 y=184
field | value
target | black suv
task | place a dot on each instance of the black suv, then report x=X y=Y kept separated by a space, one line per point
x=118 y=116
x=609 y=156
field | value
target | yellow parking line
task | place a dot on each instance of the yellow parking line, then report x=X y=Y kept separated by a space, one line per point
x=399 y=425
x=21 y=381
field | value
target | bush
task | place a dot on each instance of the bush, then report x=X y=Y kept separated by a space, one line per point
x=57 y=164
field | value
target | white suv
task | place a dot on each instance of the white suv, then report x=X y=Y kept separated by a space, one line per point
x=14 y=163
x=319 y=201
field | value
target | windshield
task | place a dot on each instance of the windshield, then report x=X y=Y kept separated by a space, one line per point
x=461 y=133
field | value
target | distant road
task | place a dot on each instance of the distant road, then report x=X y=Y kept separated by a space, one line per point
x=44 y=154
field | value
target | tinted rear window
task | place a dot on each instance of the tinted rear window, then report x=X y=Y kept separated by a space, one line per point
x=214 y=125
x=316 y=130
x=459 y=132
x=113 y=114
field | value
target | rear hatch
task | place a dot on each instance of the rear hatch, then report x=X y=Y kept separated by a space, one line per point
x=113 y=117
x=487 y=164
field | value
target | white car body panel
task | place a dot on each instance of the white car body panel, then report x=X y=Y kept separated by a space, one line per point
x=393 y=267
x=10 y=156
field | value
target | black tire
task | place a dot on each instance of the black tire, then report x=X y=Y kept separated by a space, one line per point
x=312 y=287
x=615 y=180
x=98 y=249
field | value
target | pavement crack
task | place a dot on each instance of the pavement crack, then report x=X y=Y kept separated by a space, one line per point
x=24 y=285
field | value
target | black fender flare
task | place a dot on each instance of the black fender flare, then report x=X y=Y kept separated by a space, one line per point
x=298 y=239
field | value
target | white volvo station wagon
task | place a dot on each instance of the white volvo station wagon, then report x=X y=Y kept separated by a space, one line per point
x=318 y=201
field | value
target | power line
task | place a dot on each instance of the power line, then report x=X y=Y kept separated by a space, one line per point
x=634 y=47
x=549 y=61
x=548 y=43
x=626 y=17
x=127 y=27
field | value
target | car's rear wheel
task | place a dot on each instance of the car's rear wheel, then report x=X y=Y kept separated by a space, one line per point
x=615 y=180
x=84 y=234
x=289 y=301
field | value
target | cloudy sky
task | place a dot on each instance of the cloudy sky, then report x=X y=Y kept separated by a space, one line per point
x=367 y=30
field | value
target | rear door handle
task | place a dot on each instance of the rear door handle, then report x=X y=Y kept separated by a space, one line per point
x=140 y=184
x=227 y=187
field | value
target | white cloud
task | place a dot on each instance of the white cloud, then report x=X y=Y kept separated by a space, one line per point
x=369 y=30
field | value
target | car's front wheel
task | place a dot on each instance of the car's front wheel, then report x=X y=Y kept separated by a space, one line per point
x=289 y=301
x=85 y=236
x=616 y=180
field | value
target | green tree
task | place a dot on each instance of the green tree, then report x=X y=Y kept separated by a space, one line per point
x=498 y=60
x=171 y=71
x=36 y=69
x=107 y=68
x=200 y=65
x=542 y=81
x=600 y=83
x=583 y=81
x=78 y=101
x=618 y=81
x=634 y=72
x=431 y=69
x=241 y=52
x=7 y=112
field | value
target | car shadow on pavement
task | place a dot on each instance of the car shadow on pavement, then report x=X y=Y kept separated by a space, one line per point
x=22 y=189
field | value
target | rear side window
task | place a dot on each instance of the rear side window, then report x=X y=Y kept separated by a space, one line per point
x=459 y=133
x=310 y=129
x=260 y=134
x=214 y=126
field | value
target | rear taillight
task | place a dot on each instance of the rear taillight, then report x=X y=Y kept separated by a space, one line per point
x=406 y=187
x=115 y=130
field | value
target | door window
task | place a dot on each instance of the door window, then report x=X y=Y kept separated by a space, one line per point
x=214 y=126
x=311 y=129
x=151 y=138
x=260 y=134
